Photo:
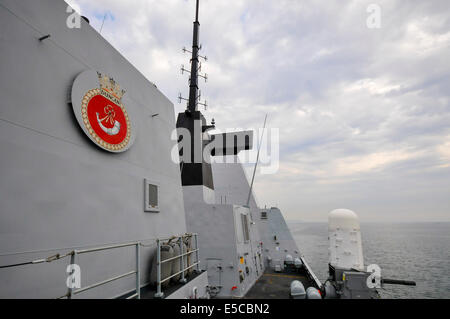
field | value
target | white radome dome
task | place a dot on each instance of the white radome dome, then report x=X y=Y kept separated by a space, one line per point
x=343 y=219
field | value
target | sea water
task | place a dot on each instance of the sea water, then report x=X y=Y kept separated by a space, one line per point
x=409 y=251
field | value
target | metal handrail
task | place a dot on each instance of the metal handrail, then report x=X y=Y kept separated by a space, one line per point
x=103 y=282
x=179 y=256
x=137 y=295
x=73 y=256
x=175 y=237
x=174 y=275
x=84 y=251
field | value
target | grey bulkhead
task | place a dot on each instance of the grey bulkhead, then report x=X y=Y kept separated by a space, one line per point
x=232 y=186
x=228 y=258
x=221 y=229
x=58 y=190
x=277 y=238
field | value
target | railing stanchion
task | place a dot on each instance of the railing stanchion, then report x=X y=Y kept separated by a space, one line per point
x=182 y=280
x=72 y=262
x=138 y=271
x=158 y=294
x=196 y=253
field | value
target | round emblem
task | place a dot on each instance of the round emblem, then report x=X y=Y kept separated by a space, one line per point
x=97 y=101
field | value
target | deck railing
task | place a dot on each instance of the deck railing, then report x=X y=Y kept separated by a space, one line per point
x=136 y=272
x=183 y=268
x=74 y=255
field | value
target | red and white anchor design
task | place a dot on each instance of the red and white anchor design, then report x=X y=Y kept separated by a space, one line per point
x=107 y=120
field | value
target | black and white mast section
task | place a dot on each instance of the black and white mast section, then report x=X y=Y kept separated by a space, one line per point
x=195 y=168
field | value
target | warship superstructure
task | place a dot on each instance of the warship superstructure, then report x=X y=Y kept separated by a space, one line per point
x=93 y=204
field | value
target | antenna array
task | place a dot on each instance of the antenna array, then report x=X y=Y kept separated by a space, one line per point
x=194 y=101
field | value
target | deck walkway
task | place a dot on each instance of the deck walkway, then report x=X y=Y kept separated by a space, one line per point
x=275 y=285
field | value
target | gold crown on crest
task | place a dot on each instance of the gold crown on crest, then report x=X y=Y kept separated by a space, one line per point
x=108 y=84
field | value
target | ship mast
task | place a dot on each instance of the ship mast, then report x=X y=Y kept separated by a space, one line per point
x=195 y=168
x=193 y=83
x=194 y=93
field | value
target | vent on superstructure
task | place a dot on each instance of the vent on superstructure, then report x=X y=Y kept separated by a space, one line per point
x=245 y=227
x=263 y=215
x=151 y=197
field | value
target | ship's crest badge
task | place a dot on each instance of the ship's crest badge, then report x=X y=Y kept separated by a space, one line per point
x=101 y=113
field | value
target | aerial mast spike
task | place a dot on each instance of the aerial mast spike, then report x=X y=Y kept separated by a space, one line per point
x=193 y=86
x=196 y=12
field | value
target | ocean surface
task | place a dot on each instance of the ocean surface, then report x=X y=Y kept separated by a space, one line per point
x=410 y=251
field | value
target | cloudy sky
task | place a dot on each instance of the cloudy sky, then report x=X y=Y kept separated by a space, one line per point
x=363 y=113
